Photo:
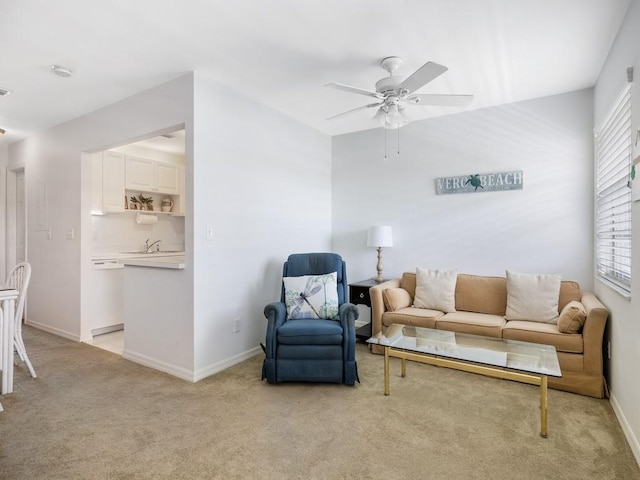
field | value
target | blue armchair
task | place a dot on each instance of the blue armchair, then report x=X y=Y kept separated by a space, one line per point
x=311 y=349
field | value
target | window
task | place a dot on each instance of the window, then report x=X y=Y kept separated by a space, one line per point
x=613 y=195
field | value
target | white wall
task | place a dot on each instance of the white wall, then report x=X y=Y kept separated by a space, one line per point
x=119 y=232
x=262 y=183
x=3 y=212
x=58 y=194
x=624 y=322
x=144 y=152
x=546 y=227
x=258 y=179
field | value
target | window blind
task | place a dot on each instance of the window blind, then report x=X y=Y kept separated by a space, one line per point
x=613 y=195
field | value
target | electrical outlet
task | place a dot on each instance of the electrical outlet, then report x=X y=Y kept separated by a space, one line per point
x=209 y=235
x=236 y=325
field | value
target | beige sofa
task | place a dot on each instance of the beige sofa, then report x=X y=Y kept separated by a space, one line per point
x=481 y=303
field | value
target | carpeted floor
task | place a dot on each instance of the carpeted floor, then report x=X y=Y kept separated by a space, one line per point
x=92 y=415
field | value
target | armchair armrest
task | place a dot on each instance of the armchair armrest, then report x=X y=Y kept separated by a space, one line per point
x=348 y=313
x=276 y=315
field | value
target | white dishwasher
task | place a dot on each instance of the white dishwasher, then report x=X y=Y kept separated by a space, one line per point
x=107 y=296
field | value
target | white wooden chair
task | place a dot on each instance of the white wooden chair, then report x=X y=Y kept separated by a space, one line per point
x=18 y=279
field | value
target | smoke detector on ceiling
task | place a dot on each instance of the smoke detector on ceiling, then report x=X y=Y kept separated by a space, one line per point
x=61 y=71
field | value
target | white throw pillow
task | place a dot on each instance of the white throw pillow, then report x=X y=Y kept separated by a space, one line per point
x=436 y=289
x=532 y=297
x=311 y=296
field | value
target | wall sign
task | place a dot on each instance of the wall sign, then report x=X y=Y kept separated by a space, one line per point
x=485 y=182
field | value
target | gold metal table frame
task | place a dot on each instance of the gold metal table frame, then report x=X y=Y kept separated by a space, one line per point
x=531 y=378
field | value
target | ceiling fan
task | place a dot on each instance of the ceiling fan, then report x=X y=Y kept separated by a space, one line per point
x=394 y=94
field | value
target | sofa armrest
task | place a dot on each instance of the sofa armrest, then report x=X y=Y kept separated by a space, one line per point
x=377 y=303
x=593 y=333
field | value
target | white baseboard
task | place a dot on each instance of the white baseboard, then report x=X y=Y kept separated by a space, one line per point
x=55 y=331
x=626 y=428
x=174 y=370
x=224 y=364
x=184 y=373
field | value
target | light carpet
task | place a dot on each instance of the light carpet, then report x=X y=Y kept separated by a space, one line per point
x=92 y=415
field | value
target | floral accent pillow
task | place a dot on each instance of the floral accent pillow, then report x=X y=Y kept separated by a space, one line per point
x=311 y=296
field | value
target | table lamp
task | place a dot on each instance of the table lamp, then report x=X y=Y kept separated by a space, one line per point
x=379 y=236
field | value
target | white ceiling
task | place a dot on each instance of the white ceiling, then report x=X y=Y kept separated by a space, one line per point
x=282 y=52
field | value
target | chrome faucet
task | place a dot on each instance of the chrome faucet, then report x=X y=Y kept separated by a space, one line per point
x=148 y=246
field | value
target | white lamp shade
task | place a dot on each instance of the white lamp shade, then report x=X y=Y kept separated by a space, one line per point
x=380 y=236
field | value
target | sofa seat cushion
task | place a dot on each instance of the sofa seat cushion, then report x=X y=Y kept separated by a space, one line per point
x=310 y=332
x=545 y=333
x=472 y=322
x=417 y=317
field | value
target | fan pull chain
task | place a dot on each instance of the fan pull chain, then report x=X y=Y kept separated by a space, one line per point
x=398 y=141
x=385 y=143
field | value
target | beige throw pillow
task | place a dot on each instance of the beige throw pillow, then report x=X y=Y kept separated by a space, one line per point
x=436 y=289
x=395 y=299
x=572 y=317
x=532 y=297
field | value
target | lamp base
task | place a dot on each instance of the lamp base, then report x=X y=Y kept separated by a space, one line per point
x=379 y=278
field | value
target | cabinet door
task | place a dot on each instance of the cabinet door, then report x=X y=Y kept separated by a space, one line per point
x=96 y=182
x=167 y=178
x=113 y=182
x=182 y=198
x=140 y=174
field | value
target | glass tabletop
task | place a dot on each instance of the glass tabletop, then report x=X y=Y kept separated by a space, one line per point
x=496 y=352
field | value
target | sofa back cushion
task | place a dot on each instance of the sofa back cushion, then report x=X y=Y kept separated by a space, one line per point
x=481 y=294
x=569 y=292
x=408 y=282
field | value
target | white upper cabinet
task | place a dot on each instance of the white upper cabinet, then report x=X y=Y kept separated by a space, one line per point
x=96 y=182
x=168 y=178
x=152 y=176
x=112 y=182
x=107 y=182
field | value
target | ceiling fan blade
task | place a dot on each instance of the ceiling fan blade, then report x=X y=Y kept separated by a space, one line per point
x=442 y=100
x=422 y=76
x=361 y=91
x=364 y=107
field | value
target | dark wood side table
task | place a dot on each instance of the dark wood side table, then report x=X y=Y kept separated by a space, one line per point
x=359 y=295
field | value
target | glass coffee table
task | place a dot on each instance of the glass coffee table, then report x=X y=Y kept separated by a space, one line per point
x=494 y=357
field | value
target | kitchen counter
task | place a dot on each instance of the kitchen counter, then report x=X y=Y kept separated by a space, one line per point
x=175 y=260
x=155 y=260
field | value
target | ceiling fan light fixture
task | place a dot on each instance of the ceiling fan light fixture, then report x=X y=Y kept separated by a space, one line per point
x=393 y=115
x=380 y=116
